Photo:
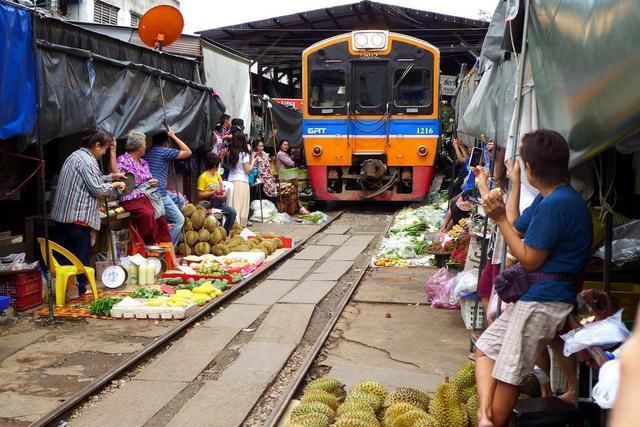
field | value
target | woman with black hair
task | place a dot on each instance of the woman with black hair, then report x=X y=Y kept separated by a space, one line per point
x=240 y=165
x=80 y=186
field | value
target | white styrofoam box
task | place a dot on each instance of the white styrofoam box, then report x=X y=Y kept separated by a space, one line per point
x=146 y=312
x=467 y=310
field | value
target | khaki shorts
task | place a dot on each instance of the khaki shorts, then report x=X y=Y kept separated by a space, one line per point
x=516 y=339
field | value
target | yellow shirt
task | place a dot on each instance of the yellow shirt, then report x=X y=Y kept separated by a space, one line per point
x=208 y=182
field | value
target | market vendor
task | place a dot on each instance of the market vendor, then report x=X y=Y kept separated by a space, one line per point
x=211 y=191
x=75 y=205
x=158 y=157
x=556 y=245
x=264 y=168
x=284 y=161
x=143 y=215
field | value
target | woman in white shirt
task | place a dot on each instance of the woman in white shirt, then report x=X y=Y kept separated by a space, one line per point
x=241 y=164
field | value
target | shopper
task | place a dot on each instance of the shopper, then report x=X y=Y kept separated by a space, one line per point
x=211 y=192
x=557 y=244
x=158 y=157
x=241 y=164
x=75 y=205
x=137 y=202
x=264 y=168
x=283 y=159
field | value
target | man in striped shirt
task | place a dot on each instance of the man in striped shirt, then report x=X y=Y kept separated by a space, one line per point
x=158 y=157
x=80 y=186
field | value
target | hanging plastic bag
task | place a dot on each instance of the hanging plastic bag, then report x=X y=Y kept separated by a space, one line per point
x=604 y=393
x=466 y=283
x=435 y=281
x=492 y=309
x=602 y=333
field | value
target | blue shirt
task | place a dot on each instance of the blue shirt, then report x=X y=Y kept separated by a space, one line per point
x=158 y=158
x=561 y=225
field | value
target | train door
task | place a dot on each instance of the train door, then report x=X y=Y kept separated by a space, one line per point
x=369 y=97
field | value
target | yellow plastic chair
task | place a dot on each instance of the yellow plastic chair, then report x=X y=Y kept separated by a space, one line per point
x=64 y=273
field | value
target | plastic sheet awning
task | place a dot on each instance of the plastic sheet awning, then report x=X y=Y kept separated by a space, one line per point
x=17 y=74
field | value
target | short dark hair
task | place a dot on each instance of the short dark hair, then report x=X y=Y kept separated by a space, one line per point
x=212 y=161
x=546 y=153
x=92 y=137
x=160 y=138
x=224 y=117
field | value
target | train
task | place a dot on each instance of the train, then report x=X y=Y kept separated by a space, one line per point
x=370 y=116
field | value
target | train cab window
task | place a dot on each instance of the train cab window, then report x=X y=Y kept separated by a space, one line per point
x=412 y=87
x=371 y=87
x=328 y=90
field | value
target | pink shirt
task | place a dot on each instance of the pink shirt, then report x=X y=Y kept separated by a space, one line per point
x=141 y=171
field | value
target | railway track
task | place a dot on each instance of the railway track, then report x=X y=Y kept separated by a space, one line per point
x=83 y=408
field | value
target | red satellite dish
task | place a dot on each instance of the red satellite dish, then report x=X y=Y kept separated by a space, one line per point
x=160 y=26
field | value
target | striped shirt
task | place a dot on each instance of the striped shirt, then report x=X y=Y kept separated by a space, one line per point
x=80 y=185
x=140 y=170
x=158 y=158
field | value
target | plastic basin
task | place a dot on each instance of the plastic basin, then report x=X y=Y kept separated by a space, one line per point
x=5 y=302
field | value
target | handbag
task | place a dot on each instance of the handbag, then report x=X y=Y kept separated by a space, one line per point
x=515 y=281
x=153 y=194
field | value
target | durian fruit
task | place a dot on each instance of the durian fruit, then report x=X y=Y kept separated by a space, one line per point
x=312 y=408
x=202 y=248
x=330 y=385
x=353 y=422
x=312 y=419
x=188 y=210
x=445 y=407
x=531 y=386
x=410 y=418
x=318 y=395
x=371 y=387
x=188 y=225
x=359 y=416
x=204 y=236
x=197 y=219
x=191 y=237
x=466 y=376
x=373 y=401
x=467 y=393
x=215 y=237
x=217 y=250
x=472 y=406
x=184 y=249
x=223 y=232
x=278 y=242
x=235 y=240
x=414 y=396
x=395 y=410
x=353 y=407
x=210 y=223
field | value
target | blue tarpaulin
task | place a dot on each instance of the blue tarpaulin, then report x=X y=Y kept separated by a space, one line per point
x=17 y=76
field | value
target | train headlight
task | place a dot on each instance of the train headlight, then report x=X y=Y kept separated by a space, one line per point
x=370 y=40
x=317 y=151
x=422 y=151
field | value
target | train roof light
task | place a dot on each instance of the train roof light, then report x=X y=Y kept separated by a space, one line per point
x=370 y=40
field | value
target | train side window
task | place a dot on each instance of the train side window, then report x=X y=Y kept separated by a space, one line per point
x=328 y=89
x=413 y=87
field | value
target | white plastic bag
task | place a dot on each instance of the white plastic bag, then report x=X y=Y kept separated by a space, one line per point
x=604 y=393
x=602 y=333
x=269 y=210
x=400 y=247
x=466 y=283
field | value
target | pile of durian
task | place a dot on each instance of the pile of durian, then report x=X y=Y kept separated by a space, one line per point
x=324 y=403
x=203 y=235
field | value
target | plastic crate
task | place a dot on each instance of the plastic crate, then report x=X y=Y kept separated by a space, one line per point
x=623 y=296
x=25 y=289
x=468 y=310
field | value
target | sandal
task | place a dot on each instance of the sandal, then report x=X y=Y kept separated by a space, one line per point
x=303 y=211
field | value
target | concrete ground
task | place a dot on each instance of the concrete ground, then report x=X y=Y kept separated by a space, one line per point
x=388 y=333
x=41 y=365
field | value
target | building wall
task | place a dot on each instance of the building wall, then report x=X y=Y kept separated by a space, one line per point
x=83 y=11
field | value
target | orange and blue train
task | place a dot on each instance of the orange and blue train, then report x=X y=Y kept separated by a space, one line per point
x=370 y=116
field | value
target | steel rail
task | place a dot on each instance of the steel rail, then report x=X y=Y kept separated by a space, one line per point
x=79 y=397
x=277 y=413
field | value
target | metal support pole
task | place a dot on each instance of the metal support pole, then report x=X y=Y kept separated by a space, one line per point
x=607 y=181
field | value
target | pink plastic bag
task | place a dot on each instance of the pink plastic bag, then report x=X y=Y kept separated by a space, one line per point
x=433 y=284
x=492 y=308
x=443 y=297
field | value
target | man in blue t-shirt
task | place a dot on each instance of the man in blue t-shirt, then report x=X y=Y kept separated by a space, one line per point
x=158 y=157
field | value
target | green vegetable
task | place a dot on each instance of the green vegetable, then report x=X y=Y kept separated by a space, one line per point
x=145 y=293
x=102 y=306
x=314 y=217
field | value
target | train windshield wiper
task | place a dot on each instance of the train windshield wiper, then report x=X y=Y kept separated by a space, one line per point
x=404 y=74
